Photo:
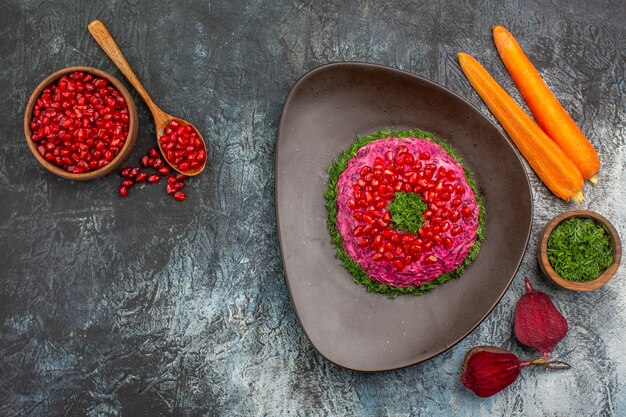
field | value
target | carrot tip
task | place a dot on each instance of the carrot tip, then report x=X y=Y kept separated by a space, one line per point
x=578 y=198
x=593 y=180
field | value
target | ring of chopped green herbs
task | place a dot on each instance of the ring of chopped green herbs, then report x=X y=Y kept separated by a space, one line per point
x=357 y=272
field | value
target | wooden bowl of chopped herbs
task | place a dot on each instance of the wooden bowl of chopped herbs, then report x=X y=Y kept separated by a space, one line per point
x=579 y=250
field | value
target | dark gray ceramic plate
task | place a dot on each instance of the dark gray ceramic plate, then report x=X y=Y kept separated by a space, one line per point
x=346 y=324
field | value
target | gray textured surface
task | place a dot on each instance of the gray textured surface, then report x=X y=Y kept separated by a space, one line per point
x=148 y=307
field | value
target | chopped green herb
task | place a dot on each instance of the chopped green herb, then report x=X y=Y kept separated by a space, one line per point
x=406 y=211
x=359 y=275
x=579 y=249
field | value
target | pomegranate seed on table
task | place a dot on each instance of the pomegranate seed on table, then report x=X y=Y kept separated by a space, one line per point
x=141 y=177
x=171 y=188
x=154 y=178
x=123 y=191
x=157 y=163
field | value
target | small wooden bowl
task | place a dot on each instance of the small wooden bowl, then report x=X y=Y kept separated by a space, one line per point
x=128 y=144
x=604 y=277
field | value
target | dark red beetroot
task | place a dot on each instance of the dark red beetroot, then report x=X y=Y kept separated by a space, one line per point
x=488 y=370
x=538 y=323
x=183 y=147
x=80 y=123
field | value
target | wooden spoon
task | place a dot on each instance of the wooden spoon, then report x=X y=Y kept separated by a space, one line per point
x=161 y=119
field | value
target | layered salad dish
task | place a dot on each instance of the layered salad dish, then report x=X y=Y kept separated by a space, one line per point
x=404 y=214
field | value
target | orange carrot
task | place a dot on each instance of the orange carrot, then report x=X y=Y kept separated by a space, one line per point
x=555 y=169
x=548 y=112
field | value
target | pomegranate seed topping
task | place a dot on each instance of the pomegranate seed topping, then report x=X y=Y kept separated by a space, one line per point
x=430 y=260
x=466 y=211
x=456 y=230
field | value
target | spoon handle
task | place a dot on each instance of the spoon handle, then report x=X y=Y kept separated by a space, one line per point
x=102 y=35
